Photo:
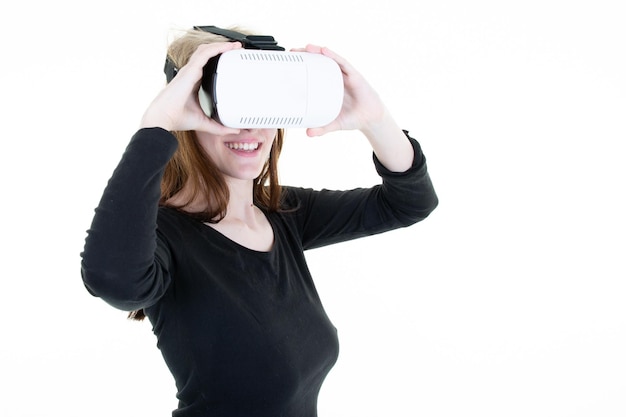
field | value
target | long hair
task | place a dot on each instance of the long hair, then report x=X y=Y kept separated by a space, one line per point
x=191 y=167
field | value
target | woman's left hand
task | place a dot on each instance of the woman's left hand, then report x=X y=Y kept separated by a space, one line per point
x=364 y=110
x=362 y=107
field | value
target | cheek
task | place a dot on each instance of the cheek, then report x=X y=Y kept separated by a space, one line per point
x=269 y=134
x=208 y=143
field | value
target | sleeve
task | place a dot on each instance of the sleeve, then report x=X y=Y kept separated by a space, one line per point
x=402 y=199
x=123 y=261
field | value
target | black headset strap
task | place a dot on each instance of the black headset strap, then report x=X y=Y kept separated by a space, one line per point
x=247 y=41
x=170 y=69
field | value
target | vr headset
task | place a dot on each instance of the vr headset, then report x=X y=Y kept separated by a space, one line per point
x=263 y=86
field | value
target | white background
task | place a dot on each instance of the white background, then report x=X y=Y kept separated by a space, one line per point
x=508 y=301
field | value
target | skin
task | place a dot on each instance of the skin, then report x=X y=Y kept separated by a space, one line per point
x=176 y=107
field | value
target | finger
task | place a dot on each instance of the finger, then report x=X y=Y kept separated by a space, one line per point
x=211 y=126
x=315 y=49
x=208 y=50
x=204 y=52
x=343 y=63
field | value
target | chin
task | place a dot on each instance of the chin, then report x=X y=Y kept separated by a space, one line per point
x=244 y=175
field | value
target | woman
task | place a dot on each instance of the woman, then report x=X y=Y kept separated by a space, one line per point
x=194 y=232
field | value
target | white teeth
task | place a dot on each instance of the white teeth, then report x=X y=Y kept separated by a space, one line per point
x=243 y=146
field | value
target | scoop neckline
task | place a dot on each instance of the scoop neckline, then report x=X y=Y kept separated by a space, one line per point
x=205 y=226
x=243 y=247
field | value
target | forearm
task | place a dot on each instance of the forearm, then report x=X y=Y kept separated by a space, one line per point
x=330 y=216
x=389 y=143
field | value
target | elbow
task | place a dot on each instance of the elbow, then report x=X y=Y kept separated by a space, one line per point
x=432 y=205
x=421 y=209
x=120 y=290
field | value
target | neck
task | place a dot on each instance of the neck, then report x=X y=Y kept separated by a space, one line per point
x=241 y=201
x=240 y=204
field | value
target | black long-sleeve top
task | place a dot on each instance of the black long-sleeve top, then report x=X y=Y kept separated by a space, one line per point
x=243 y=332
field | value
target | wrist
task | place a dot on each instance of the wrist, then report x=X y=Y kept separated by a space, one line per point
x=390 y=144
x=379 y=127
x=150 y=120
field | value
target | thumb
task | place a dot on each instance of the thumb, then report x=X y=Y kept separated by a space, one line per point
x=322 y=130
x=314 y=131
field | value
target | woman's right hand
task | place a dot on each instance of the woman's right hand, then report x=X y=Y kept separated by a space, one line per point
x=176 y=107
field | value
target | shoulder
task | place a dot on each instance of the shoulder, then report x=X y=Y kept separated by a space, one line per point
x=300 y=199
x=293 y=198
x=172 y=225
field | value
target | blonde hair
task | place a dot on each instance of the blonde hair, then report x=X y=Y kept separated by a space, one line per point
x=182 y=47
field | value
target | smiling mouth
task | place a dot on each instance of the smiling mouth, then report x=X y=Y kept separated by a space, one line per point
x=243 y=146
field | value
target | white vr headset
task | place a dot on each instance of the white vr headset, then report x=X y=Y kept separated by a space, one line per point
x=263 y=86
